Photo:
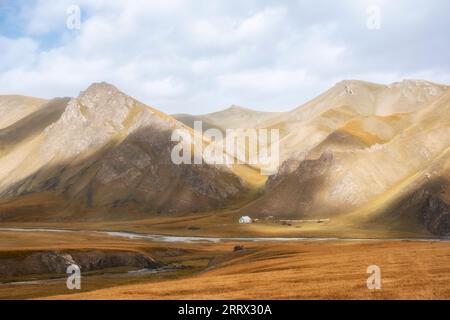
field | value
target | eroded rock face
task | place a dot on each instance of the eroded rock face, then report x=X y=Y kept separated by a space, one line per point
x=56 y=263
x=435 y=215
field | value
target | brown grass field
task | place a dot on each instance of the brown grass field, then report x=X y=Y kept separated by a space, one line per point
x=264 y=270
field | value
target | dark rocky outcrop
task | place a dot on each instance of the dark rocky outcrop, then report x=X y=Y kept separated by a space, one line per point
x=56 y=262
x=435 y=215
x=425 y=204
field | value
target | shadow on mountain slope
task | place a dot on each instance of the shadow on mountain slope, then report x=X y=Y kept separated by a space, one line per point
x=427 y=204
x=32 y=124
x=127 y=179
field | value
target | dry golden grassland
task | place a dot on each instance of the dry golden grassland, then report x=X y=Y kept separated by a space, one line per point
x=264 y=270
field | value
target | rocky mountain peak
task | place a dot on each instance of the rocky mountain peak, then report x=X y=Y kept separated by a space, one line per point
x=235 y=108
x=100 y=88
x=103 y=103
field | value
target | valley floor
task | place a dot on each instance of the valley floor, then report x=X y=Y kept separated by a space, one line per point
x=225 y=224
x=263 y=270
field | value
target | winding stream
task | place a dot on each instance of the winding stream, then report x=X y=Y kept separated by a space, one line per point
x=187 y=239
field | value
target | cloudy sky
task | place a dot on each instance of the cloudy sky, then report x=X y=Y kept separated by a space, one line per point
x=201 y=56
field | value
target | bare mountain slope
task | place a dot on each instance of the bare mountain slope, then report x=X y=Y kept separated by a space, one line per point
x=363 y=98
x=189 y=119
x=108 y=151
x=31 y=125
x=233 y=117
x=307 y=126
x=14 y=108
x=361 y=182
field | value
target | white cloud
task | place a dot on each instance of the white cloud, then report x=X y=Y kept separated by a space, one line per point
x=164 y=87
x=227 y=31
x=12 y=51
x=264 y=81
x=192 y=56
x=44 y=16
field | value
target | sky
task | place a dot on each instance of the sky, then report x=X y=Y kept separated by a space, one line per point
x=201 y=56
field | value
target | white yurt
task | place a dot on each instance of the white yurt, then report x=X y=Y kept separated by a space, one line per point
x=245 y=219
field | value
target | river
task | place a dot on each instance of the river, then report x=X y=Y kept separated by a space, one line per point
x=188 y=239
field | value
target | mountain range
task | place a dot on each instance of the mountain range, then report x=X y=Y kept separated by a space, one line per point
x=360 y=154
